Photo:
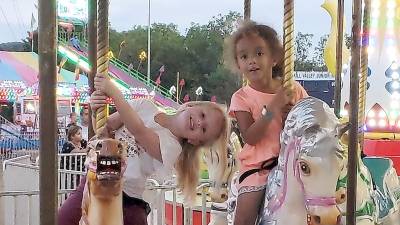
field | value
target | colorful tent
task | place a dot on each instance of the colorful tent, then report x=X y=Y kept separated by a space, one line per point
x=24 y=66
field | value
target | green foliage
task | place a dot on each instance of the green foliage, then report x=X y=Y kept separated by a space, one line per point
x=197 y=56
x=303 y=43
x=318 y=57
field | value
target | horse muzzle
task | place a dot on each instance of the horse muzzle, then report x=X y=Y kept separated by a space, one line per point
x=327 y=215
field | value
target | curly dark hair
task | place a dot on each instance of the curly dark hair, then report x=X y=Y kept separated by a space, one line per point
x=268 y=34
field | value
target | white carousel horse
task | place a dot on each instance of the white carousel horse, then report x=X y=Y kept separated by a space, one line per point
x=302 y=188
x=219 y=196
x=377 y=188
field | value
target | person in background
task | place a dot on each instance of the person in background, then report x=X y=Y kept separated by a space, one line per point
x=84 y=122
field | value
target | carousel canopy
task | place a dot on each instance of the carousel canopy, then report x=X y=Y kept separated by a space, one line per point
x=24 y=66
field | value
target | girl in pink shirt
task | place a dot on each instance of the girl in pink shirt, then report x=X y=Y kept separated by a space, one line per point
x=260 y=108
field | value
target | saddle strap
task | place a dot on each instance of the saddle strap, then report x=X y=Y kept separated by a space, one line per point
x=266 y=165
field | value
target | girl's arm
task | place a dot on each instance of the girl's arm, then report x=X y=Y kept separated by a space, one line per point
x=252 y=131
x=144 y=136
x=114 y=122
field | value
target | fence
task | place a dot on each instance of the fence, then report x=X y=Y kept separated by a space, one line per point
x=22 y=201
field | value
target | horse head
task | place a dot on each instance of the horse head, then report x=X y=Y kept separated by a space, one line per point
x=219 y=188
x=310 y=162
x=106 y=163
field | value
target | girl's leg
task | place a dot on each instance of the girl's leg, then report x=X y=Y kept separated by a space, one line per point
x=247 y=208
x=71 y=210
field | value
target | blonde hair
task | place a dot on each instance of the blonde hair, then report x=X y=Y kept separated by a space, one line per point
x=188 y=163
x=267 y=33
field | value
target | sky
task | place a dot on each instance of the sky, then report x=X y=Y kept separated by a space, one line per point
x=15 y=15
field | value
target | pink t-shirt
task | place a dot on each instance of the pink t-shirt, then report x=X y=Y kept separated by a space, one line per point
x=250 y=100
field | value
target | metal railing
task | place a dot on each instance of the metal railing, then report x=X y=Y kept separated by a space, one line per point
x=7 y=124
x=71 y=168
x=17 y=144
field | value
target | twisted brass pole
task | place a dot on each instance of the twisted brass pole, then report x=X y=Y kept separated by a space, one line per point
x=288 y=43
x=364 y=71
x=102 y=56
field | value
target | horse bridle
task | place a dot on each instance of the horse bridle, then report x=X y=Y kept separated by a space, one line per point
x=308 y=200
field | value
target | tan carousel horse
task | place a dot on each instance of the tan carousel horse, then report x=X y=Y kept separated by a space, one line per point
x=102 y=196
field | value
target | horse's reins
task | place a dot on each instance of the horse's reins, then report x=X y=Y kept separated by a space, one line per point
x=265 y=166
x=276 y=203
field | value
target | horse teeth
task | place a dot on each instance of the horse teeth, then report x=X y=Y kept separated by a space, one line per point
x=114 y=162
x=103 y=162
x=108 y=163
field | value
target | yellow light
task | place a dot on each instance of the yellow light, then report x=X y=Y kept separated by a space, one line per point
x=344 y=113
x=375 y=4
x=142 y=55
x=371 y=114
x=372 y=123
x=382 y=123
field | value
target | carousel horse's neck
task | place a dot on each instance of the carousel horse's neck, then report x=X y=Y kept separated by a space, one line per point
x=106 y=212
x=102 y=196
x=293 y=198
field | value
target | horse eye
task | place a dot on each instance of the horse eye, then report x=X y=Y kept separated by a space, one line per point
x=99 y=146
x=305 y=168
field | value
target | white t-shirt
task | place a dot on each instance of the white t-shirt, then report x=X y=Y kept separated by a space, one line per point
x=141 y=165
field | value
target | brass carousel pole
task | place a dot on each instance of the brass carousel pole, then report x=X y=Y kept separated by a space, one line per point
x=102 y=56
x=353 y=136
x=288 y=43
x=92 y=50
x=48 y=184
x=364 y=71
x=339 y=45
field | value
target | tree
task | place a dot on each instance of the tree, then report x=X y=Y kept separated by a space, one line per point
x=303 y=43
x=318 y=57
